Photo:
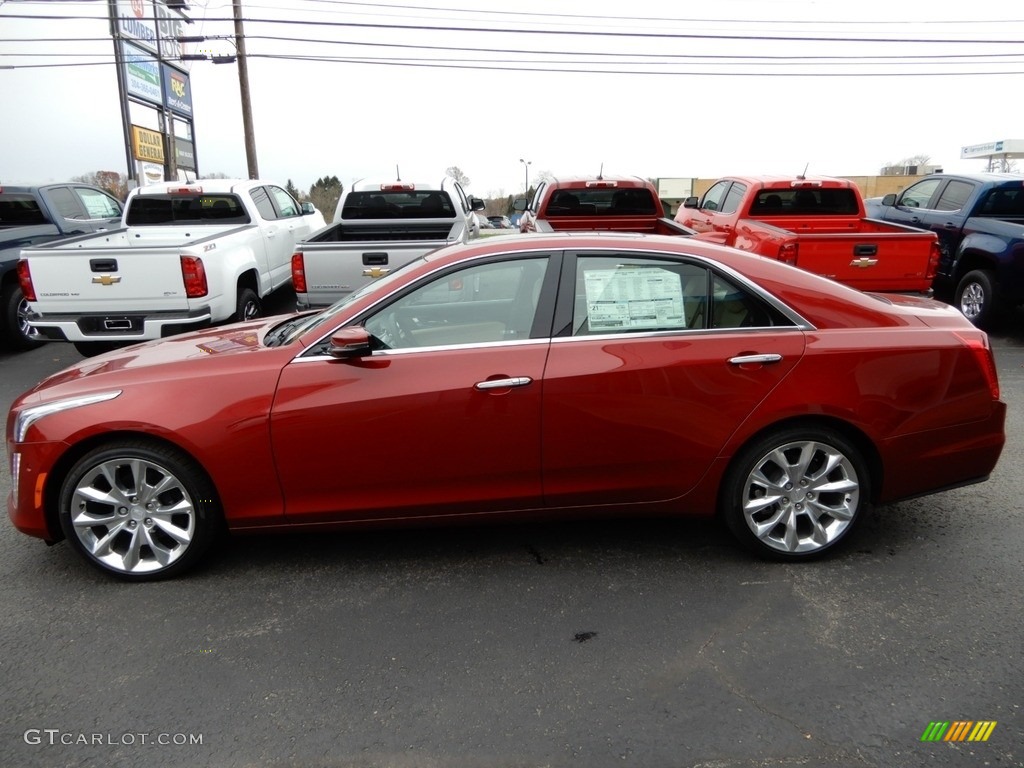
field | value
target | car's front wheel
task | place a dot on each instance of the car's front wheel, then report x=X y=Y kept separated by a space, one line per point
x=138 y=510
x=795 y=494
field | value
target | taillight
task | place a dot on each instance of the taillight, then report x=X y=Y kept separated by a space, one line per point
x=25 y=279
x=298 y=273
x=933 y=261
x=977 y=342
x=194 y=274
x=787 y=253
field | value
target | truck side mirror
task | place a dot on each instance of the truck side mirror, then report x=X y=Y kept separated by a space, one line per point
x=691 y=202
x=350 y=342
x=519 y=204
x=889 y=199
x=308 y=208
x=477 y=204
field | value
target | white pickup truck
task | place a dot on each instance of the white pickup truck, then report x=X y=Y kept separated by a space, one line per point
x=380 y=225
x=185 y=256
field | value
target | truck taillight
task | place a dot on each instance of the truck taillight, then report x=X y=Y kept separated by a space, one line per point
x=25 y=279
x=194 y=274
x=933 y=261
x=397 y=187
x=298 y=273
x=787 y=253
x=977 y=342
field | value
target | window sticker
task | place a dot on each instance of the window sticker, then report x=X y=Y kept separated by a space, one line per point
x=634 y=298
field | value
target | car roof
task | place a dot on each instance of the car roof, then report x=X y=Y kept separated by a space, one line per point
x=770 y=181
x=610 y=180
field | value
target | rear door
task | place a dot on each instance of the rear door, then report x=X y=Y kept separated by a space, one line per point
x=655 y=363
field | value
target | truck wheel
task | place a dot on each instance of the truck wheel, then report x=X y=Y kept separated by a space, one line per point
x=249 y=307
x=16 y=332
x=138 y=510
x=976 y=298
x=796 y=493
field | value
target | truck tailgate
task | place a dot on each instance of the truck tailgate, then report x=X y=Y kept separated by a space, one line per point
x=332 y=270
x=870 y=261
x=98 y=280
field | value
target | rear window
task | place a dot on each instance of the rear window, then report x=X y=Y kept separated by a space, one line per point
x=805 y=201
x=602 y=201
x=410 y=204
x=185 y=209
x=19 y=210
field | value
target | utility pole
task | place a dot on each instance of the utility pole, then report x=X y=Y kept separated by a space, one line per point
x=243 y=86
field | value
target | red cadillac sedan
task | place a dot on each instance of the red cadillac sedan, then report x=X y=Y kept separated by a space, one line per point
x=533 y=376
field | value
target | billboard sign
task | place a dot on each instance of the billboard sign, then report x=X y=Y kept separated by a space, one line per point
x=177 y=91
x=147 y=144
x=185 y=154
x=141 y=74
x=137 y=22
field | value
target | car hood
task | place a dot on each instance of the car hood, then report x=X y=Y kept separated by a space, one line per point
x=175 y=356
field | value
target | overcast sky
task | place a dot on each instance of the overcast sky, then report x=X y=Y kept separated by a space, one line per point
x=656 y=88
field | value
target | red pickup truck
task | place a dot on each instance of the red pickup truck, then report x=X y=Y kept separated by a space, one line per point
x=601 y=203
x=816 y=223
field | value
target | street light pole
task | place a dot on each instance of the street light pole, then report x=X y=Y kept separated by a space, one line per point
x=526 y=168
x=243 y=86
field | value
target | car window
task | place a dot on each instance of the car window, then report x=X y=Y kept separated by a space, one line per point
x=67 y=203
x=98 y=205
x=261 y=198
x=285 y=203
x=733 y=198
x=919 y=194
x=954 y=196
x=482 y=303
x=627 y=294
x=713 y=197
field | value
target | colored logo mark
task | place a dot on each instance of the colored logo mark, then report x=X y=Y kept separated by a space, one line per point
x=959 y=730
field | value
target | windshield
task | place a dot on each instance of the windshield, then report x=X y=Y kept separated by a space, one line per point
x=290 y=330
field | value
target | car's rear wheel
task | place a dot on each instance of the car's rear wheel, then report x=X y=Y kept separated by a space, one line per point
x=975 y=297
x=17 y=333
x=138 y=510
x=796 y=493
x=249 y=307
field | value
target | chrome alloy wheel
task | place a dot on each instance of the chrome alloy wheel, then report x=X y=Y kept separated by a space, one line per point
x=132 y=515
x=972 y=301
x=30 y=334
x=801 y=496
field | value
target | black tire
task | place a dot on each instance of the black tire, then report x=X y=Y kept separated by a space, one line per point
x=115 y=519
x=14 y=328
x=796 y=494
x=248 y=306
x=976 y=298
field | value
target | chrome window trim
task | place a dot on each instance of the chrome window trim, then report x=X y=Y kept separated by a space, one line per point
x=437 y=348
x=800 y=323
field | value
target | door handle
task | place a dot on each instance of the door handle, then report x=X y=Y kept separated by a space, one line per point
x=506 y=383
x=770 y=357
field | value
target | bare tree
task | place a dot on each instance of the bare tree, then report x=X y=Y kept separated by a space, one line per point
x=112 y=181
x=456 y=173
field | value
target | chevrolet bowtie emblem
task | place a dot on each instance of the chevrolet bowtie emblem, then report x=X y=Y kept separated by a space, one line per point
x=375 y=272
x=106 y=279
x=863 y=262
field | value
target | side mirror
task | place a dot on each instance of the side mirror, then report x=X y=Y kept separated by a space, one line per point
x=519 y=204
x=477 y=204
x=308 y=208
x=889 y=199
x=691 y=202
x=353 y=341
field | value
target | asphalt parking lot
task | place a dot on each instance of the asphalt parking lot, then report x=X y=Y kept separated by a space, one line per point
x=626 y=643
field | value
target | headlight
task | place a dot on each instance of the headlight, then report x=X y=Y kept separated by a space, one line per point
x=33 y=413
